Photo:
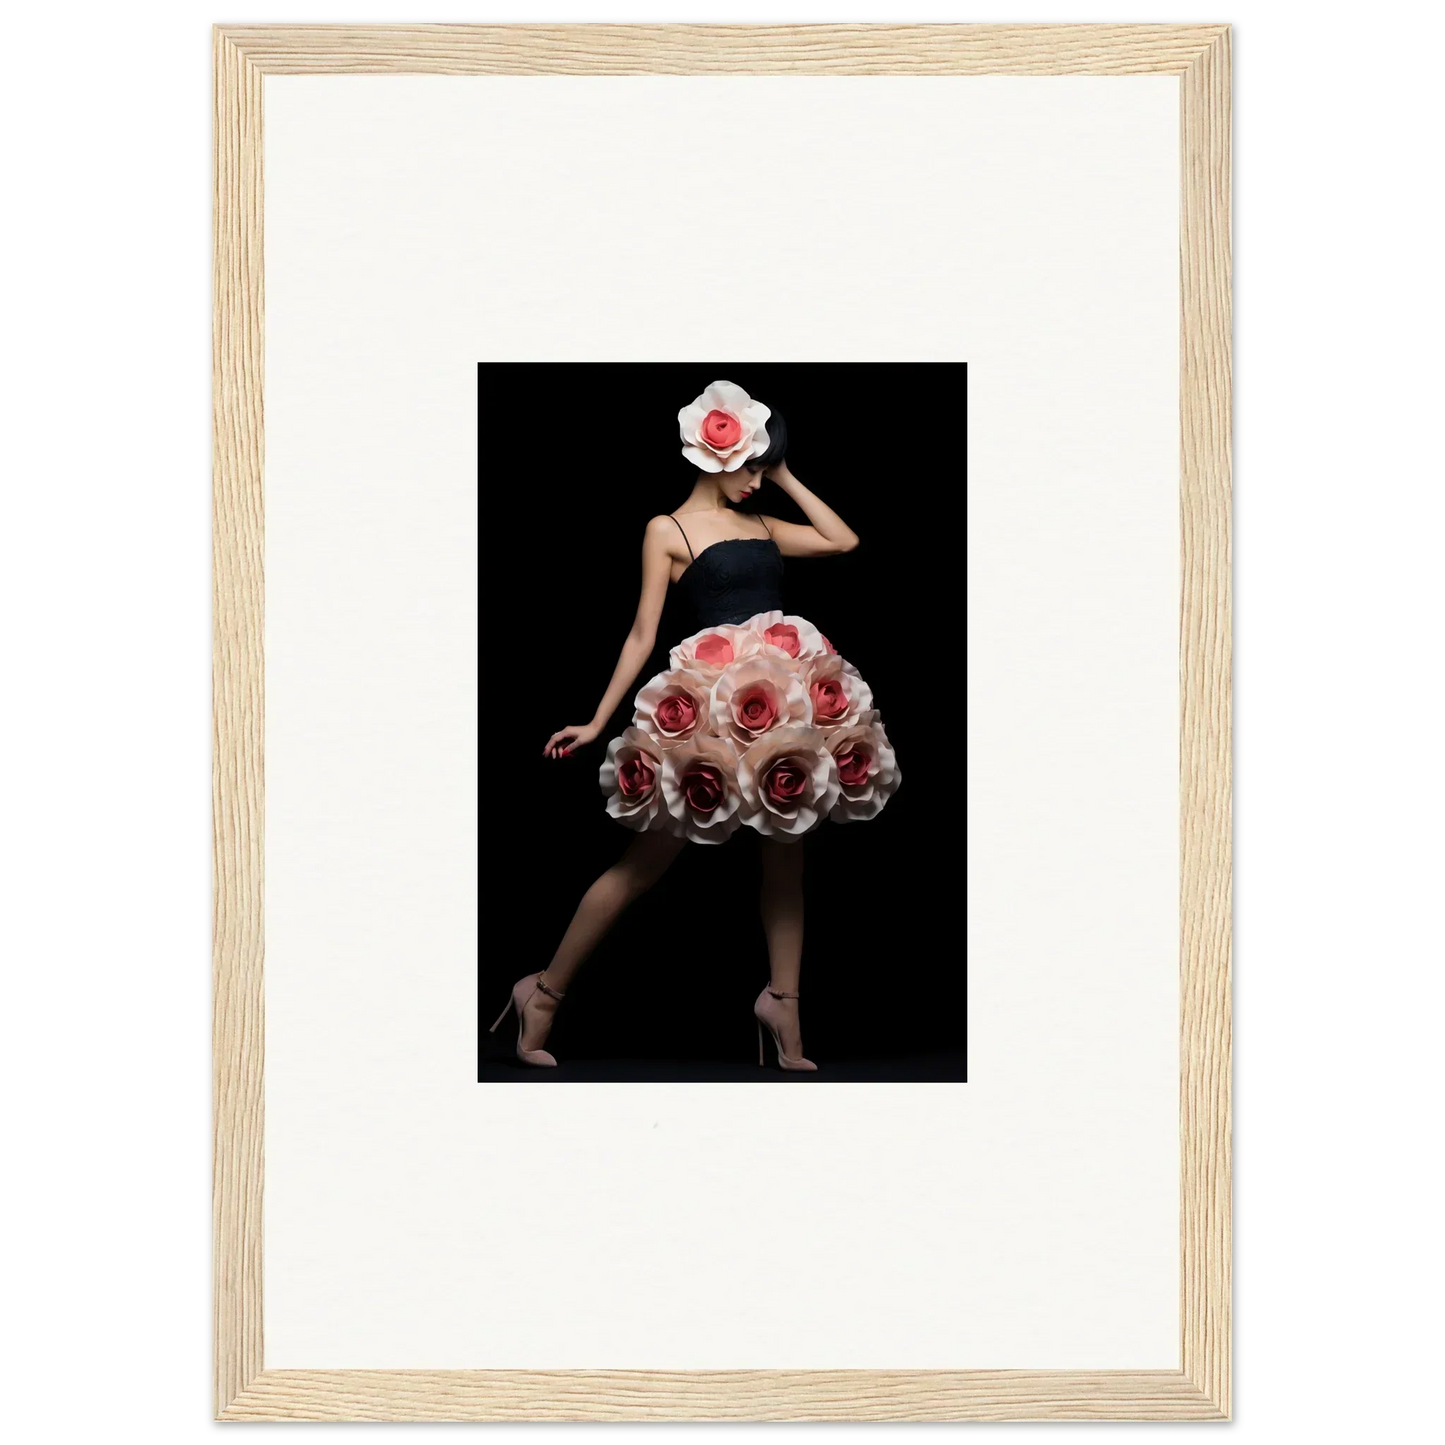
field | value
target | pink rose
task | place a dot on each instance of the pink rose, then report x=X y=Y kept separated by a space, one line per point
x=830 y=700
x=707 y=653
x=700 y=790
x=721 y=430
x=828 y=645
x=783 y=635
x=714 y=650
x=785 y=782
x=635 y=778
x=757 y=708
x=756 y=694
x=676 y=713
x=867 y=770
x=793 y=637
x=673 y=706
x=788 y=781
x=838 y=694
x=630 y=777
x=704 y=788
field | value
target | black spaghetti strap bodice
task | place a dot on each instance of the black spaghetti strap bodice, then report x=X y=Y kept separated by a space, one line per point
x=733 y=580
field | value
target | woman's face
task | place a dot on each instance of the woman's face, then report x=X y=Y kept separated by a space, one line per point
x=738 y=486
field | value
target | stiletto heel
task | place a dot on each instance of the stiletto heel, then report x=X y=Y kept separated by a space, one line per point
x=523 y=992
x=765 y=1013
x=762 y=1062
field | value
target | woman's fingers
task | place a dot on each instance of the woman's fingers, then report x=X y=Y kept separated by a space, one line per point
x=554 y=748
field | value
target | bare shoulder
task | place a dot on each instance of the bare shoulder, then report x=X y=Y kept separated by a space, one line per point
x=663 y=534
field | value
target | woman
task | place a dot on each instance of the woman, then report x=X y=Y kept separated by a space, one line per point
x=756 y=722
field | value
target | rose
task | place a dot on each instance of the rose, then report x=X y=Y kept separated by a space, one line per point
x=788 y=781
x=714 y=650
x=837 y=691
x=635 y=778
x=792 y=637
x=830 y=700
x=700 y=790
x=755 y=695
x=707 y=653
x=630 y=777
x=785 y=782
x=783 y=635
x=868 y=772
x=853 y=765
x=723 y=428
x=673 y=706
x=704 y=788
x=721 y=431
x=756 y=707
x=676 y=714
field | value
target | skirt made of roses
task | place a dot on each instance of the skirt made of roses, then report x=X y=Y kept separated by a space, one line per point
x=760 y=725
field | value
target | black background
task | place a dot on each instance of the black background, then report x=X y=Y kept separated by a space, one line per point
x=573 y=459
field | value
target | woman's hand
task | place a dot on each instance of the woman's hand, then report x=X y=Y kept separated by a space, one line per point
x=568 y=740
x=779 y=473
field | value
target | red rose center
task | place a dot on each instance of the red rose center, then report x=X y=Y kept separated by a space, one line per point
x=635 y=778
x=786 y=781
x=829 y=699
x=756 y=709
x=784 y=635
x=676 y=713
x=713 y=650
x=702 y=786
x=721 y=430
x=853 y=767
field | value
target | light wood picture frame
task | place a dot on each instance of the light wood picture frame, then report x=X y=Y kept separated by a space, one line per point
x=1199 y=1389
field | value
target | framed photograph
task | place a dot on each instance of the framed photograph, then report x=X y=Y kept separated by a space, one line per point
x=722 y=578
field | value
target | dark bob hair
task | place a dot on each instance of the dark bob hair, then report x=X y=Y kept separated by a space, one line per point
x=777 y=444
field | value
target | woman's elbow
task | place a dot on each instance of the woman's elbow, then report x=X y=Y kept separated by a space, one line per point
x=849 y=543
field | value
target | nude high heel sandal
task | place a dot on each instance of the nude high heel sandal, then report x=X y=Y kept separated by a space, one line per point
x=767 y=1014
x=523 y=992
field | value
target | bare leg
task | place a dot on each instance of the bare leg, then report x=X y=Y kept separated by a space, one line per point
x=782 y=908
x=645 y=861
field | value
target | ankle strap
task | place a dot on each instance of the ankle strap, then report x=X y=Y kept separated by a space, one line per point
x=778 y=993
x=550 y=992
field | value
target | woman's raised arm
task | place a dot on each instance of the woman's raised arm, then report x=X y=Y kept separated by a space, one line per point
x=827 y=533
x=658 y=549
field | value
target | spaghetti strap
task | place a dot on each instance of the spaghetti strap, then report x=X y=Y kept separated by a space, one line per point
x=764 y=521
x=690 y=552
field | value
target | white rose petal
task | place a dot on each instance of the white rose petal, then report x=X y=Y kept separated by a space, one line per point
x=752 y=417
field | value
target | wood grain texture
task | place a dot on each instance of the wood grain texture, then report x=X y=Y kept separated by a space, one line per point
x=723 y=49
x=1205 y=661
x=238 y=710
x=721 y=1395
x=1199 y=56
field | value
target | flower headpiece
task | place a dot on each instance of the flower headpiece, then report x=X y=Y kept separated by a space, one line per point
x=723 y=428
